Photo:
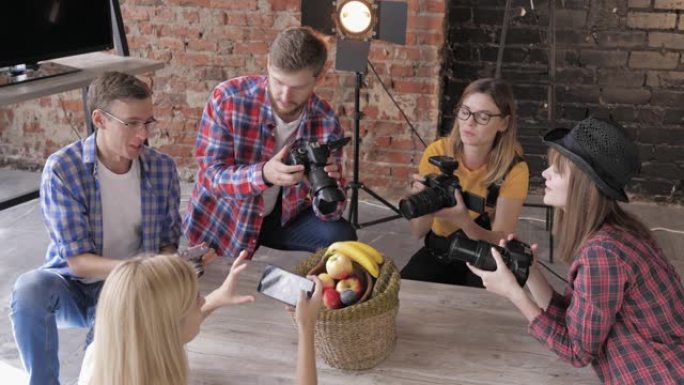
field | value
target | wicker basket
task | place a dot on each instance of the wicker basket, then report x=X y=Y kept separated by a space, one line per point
x=359 y=336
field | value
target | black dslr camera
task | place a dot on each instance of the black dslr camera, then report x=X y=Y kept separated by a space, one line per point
x=517 y=255
x=439 y=192
x=314 y=157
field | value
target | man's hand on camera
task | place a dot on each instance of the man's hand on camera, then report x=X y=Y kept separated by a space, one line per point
x=280 y=174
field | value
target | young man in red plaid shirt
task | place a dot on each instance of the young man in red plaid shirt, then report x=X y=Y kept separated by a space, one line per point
x=624 y=310
x=246 y=193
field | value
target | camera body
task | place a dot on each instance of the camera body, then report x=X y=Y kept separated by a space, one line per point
x=516 y=255
x=439 y=191
x=314 y=157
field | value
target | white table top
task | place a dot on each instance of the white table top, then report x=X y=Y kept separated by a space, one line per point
x=92 y=64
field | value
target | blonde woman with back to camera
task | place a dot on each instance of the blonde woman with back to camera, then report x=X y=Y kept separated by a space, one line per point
x=150 y=307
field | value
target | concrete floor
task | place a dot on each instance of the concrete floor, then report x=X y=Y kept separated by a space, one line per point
x=24 y=240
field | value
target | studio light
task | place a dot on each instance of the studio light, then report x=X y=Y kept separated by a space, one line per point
x=355 y=19
x=356 y=23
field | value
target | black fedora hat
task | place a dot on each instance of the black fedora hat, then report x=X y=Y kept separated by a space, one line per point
x=603 y=150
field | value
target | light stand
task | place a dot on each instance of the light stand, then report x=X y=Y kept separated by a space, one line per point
x=356 y=23
x=355 y=184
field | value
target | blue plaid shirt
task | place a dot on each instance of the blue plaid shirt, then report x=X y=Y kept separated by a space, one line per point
x=72 y=210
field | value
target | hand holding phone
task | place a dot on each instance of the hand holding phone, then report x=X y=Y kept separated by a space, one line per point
x=194 y=255
x=283 y=286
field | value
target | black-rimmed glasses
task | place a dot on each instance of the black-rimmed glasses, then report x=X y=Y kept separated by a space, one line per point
x=481 y=117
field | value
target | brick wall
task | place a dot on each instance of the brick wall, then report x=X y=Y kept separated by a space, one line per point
x=614 y=57
x=204 y=42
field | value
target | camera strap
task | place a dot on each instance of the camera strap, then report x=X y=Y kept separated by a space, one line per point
x=493 y=190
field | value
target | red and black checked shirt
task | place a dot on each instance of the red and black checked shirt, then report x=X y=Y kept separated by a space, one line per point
x=236 y=137
x=624 y=312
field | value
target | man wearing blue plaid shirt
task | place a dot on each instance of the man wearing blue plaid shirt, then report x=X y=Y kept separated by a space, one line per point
x=104 y=198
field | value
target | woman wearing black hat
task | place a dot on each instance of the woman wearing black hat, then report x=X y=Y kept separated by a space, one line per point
x=624 y=310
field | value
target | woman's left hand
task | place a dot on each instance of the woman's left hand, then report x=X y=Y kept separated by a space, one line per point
x=500 y=281
x=227 y=292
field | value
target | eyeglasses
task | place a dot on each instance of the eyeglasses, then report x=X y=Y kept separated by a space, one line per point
x=149 y=125
x=481 y=117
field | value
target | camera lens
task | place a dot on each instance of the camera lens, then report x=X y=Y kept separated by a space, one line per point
x=425 y=202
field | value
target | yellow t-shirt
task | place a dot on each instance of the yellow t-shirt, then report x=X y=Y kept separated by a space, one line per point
x=514 y=186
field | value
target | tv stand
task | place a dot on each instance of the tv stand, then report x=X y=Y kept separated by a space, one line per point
x=33 y=71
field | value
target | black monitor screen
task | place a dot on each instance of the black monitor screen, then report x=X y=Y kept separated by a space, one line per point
x=35 y=30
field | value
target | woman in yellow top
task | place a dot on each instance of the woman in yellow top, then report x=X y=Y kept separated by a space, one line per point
x=490 y=165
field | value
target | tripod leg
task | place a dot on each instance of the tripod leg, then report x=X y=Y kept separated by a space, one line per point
x=381 y=199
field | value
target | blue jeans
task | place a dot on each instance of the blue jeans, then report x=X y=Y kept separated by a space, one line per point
x=305 y=232
x=42 y=301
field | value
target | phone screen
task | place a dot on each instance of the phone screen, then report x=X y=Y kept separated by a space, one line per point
x=283 y=285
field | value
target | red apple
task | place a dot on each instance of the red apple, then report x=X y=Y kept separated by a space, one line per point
x=338 y=266
x=331 y=298
x=352 y=283
x=326 y=280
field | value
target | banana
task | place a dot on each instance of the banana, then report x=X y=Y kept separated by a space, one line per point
x=369 y=250
x=357 y=255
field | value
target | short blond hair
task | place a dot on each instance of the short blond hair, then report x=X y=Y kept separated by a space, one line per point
x=298 y=48
x=111 y=86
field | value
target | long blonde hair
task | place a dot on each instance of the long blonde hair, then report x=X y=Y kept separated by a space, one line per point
x=586 y=210
x=506 y=147
x=138 y=332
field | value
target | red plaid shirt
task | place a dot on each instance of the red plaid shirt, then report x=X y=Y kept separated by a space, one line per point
x=236 y=137
x=624 y=312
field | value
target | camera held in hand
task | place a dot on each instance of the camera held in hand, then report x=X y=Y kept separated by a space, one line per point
x=314 y=157
x=517 y=255
x=439 y=192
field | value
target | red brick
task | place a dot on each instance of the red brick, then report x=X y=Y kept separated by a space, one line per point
x=284 y=5
x=241 y=5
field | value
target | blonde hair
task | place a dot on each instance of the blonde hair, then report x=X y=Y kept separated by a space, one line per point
x=506 y=147
x=586 y=210
x=138 y=332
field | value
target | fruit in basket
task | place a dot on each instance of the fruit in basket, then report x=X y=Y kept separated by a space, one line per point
x=326 y=280
x=331 y=298
x=352 y=283
x=338 y=266
x=348 y=297
x=365 y=255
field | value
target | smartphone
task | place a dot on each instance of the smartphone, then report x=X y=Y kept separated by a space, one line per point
x=194 y=255
x=284 y=286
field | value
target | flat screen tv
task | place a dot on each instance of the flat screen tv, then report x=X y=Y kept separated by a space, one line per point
x=38 y=30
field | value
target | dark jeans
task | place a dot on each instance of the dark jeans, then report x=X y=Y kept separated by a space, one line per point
x=305 y=232
x=425 y=266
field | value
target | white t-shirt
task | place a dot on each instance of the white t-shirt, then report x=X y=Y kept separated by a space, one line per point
x=285 y=134
x=87 y=366
x=121 y=211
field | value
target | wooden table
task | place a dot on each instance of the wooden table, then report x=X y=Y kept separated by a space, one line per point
x=446 y=335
